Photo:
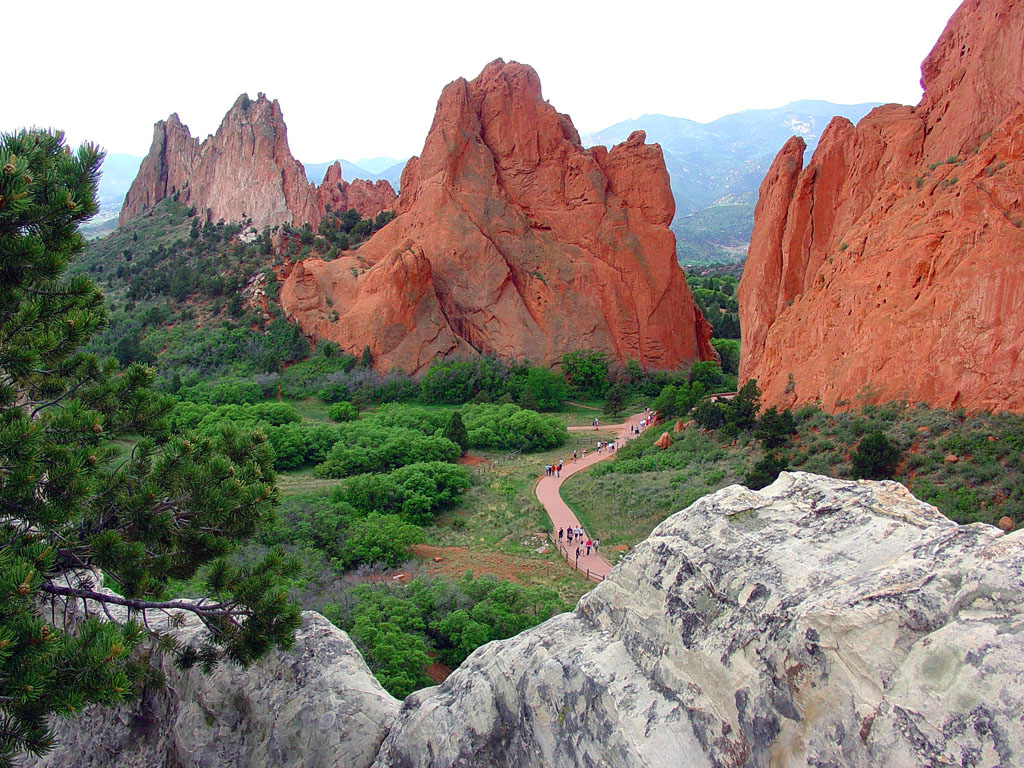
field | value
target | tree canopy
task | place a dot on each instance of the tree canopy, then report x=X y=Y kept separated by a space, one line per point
x=92 y=481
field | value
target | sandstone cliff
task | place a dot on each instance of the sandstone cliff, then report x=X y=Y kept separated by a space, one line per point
x=313 y=707
x=889 y=267
x=512 y=240
x=816 y=622
x=245 y=170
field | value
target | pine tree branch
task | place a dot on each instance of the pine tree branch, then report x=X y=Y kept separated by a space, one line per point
x=104 y=598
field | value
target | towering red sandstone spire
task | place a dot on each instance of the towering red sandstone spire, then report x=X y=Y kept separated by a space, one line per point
x=245 y=170
x=511 y=239
x=890 y=267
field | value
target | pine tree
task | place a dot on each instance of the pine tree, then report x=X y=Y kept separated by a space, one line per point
x=615 y=399
x=455 y=430
x=72 y=505
x=366 y=361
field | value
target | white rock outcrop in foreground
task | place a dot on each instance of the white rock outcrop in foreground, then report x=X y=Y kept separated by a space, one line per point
x=316 y=706
x=817 y=622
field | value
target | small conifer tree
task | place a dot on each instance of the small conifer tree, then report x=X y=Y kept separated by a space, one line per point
x=455 y=430
x=615 y=399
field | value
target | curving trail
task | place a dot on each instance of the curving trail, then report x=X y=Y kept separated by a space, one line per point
x=559 y=512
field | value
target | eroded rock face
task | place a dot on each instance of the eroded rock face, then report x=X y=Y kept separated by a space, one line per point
x=816 y=622
x=889 y=268
x=244 y=171
x=317 y=706
x=535 y=245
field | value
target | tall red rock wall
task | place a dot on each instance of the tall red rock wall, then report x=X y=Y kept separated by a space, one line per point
x=245 y=170
x=512 y=240
x=881 y=271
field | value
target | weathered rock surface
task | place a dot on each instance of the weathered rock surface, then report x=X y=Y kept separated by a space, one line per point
x=816 y=622
x=512 y=240
x=889 y=268
x=317 y=705
x=244 y=171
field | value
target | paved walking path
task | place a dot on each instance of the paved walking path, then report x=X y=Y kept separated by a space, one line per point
x=559 y=512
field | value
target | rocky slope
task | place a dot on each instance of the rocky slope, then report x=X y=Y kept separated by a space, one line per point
x=245 y=170
x=512 y=240
x=316 y=706
x=889 y=267
x=816 y=622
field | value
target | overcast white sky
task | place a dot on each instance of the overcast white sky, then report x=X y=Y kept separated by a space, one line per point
x=361 y=79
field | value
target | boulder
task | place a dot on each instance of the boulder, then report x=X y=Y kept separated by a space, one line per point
x=901 y=237
x=526 y=246
x=317 y=705
x=245 y=171
x=664 y=441
x=815 y=622
x=679 y=426
x=1006 y=523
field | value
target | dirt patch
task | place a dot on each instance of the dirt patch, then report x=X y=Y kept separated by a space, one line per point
x=437 y=671
x=455 y=561
x=471 y=461
x=619 y=548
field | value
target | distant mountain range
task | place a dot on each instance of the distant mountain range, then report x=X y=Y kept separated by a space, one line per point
x=721 y=164
x=371 y=169
x=715 y=168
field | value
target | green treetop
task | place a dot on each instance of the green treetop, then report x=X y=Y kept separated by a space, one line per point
x=75 y=501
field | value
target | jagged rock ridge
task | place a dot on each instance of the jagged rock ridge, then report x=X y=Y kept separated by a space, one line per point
x=244 y=171
x=889 y=268
x=816 y=622
x=512 y=240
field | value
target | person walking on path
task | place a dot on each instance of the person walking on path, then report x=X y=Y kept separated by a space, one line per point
x=562 y=517
x=561 y=533
x=577 y=557
x=589 y=544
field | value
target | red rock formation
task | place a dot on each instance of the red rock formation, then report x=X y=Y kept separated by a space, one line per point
x=890 y=267
x=367 y=197
x=521 y=243
x=245 y=170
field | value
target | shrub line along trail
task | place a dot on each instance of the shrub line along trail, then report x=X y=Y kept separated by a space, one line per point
x=558 y=511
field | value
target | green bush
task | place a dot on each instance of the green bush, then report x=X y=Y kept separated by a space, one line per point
x=774 y=429
x=397 y=627
x=510 y=427
x=586 y=371
x=875 y=458
x=417 y=491
x=546 y=388
x=342 y=411
x=765 y=471
x=366 y=446
x=378 y=539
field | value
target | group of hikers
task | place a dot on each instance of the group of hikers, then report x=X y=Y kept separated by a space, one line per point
x=576 y=534
x=555 y=470
x=584 y=545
